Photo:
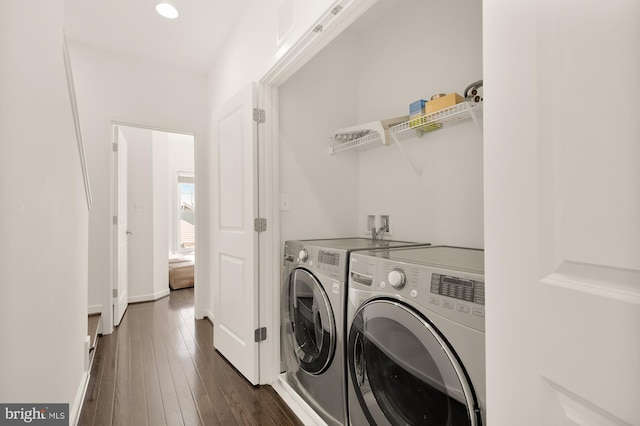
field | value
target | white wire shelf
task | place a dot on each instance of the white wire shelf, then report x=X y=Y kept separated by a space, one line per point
x=457 y=113
x=360 y=143
x=377 y=133
x=363 y=136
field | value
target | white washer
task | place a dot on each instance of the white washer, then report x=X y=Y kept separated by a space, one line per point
x=416 y=341
x=313 y=320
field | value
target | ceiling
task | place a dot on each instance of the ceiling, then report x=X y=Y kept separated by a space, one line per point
x=133 y=27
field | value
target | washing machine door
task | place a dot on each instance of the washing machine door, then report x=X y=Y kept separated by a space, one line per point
x=404 y=372
x=311 y=325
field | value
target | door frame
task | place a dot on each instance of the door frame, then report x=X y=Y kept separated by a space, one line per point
x=119 y=169
x=107 y=296
x=269 y=247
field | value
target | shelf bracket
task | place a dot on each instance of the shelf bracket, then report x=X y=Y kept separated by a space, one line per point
x=475 y=118
x=416 y=169
x=364 y=134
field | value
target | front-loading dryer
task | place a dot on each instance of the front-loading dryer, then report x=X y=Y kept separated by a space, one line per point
x=415 y=345
x=313 y=320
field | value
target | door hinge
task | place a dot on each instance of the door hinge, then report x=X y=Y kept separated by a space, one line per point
x=261 y=334
x=115 y=220
x=115 y=293
x=258 y=115
x=114 y=147
x=260 y=224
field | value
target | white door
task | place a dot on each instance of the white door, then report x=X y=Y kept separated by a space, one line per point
x=234 y=240
x=120 y=294
x=562 y=211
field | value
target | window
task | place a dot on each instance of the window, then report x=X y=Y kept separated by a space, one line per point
x=187 y=212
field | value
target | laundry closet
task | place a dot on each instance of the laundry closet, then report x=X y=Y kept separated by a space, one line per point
x=429 y=184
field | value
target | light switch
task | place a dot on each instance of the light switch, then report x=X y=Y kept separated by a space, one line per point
x=284 y=202
x=140 y=207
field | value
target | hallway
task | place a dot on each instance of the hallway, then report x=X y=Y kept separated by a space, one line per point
x=159 y=368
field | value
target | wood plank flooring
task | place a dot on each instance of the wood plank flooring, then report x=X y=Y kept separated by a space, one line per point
x=159 y=367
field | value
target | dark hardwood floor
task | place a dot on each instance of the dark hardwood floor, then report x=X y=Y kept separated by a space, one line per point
x=160 y=368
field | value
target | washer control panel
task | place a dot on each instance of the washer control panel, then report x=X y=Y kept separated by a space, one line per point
x=453 y=294
x=330 y=263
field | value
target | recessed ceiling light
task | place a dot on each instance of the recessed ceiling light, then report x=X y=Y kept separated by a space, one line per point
x=167 y=10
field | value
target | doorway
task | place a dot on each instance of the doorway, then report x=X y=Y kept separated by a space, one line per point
x=158 y=213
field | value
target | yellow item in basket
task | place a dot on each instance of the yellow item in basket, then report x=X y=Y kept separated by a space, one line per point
x=442 y=102
x=415 y=120
x=424 y=128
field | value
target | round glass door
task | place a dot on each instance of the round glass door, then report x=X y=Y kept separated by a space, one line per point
x=309 y=313
x=404 y=372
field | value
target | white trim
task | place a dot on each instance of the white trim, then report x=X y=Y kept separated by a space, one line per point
x=599 y=280
x=200 y=293
x=294 y=401
x=76 y=407
x=150 y=297
x=113 y=122
x=76 y=120
x=269 y=241
x=177 y=201
x=107 y=305
x=269 y=259
x=147 y=126
x=313 y=42
x=94 y=309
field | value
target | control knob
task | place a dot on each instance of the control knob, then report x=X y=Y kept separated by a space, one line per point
x=303 y=255
x=397 y=278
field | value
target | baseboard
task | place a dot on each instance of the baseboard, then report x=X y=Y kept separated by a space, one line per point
x=95 y=309
x=76 y=407
x=163 y=293
x=208 y=315
x=299 y=407
x=150 y=297
x=199 y=313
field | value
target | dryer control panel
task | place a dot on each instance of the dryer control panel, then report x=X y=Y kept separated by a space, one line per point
x=458 y=295
x=458 y=288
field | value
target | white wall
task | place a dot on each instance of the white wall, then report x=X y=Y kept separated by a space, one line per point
x=254 y=47
x=44 y=220
x=115 y=87
x=160 y=158
x=402 y=58
x=369 y=73
x=322 y=190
